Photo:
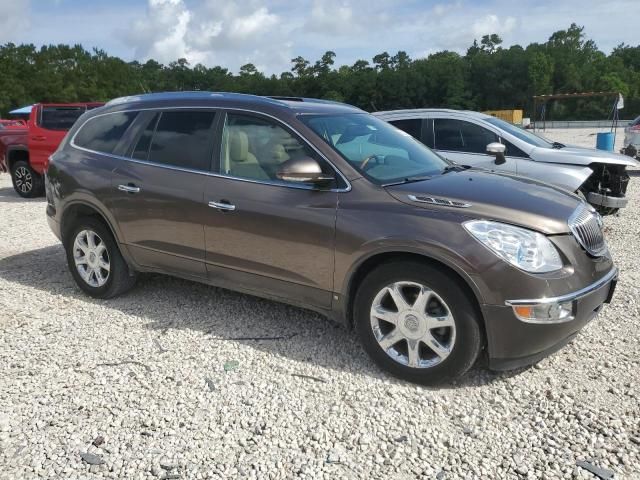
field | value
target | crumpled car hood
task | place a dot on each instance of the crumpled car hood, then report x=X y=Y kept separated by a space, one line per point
x=580 y=156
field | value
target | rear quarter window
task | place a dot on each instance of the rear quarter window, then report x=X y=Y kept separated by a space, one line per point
x=103 y=133
x=60 y=118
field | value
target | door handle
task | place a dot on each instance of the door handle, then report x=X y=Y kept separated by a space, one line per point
x=223 y=206
x=129 y=188
x=38 y=138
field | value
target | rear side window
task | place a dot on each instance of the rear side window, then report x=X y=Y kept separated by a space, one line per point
x=141 y=150
x=103 y=133
x=183 y=139
x=60 y=118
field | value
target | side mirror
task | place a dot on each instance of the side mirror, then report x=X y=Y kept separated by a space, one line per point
x=498 y=150
x=304 y=170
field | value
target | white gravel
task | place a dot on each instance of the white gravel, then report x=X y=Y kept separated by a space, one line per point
x=146 y=373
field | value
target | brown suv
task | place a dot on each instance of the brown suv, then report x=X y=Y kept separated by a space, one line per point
x=321 y=205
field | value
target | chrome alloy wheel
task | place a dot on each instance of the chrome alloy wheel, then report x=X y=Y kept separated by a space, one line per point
x=91 y=258
x=413 y=324
x=23 y=179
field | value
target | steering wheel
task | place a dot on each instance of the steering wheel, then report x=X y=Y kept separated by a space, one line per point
x=365 y=162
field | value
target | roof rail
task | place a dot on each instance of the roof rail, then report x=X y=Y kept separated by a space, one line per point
x=286 y=98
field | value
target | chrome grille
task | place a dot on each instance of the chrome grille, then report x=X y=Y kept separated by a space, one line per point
x=586 y=226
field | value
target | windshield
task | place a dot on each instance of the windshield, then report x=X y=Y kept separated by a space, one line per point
x=375 y=148
x=522 y=134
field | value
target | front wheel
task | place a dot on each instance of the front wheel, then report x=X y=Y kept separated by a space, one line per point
x=95 y=261
x=26 y=181
x=417 y=322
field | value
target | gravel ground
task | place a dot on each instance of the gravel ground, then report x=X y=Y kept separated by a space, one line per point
x=156 y=384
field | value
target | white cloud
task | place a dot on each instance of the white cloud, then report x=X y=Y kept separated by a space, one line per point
x=491 y=24
x=161 y=35
x=230 y=34
x=268 y=33
x=14 y=17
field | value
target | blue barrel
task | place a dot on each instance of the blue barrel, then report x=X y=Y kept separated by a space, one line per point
x=604 y=141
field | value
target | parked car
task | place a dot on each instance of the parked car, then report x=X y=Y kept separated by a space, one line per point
x=322 y=205
x=632 y=138
x=463 y=136
x=25 y=149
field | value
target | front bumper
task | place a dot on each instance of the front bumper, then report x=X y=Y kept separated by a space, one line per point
x=607 y=201
x=513 y=343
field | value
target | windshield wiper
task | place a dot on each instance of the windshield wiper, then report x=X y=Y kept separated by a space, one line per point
x=408 y=180
x=557 y=145
x=455 y=168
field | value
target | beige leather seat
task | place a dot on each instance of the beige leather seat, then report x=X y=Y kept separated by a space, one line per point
x=241 y=162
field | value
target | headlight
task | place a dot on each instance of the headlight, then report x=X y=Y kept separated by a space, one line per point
x=528 y=250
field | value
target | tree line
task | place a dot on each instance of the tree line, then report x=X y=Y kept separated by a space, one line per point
x=487 y=76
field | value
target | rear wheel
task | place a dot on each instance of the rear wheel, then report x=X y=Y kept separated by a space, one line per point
x=417 y=322
x=95 y=261
x=26 y=181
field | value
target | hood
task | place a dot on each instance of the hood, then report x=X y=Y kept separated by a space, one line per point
x=495 y=196
x=581 y=156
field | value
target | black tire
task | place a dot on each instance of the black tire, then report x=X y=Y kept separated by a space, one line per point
x=468 y=337
x=119 y=278
x=26 y=181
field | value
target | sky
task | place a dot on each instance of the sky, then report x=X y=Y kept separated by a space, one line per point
x=269 y=33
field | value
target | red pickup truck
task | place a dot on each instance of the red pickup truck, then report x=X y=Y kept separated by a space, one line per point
x=25 y=149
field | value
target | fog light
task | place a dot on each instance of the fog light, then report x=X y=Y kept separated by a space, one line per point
x=545 y=312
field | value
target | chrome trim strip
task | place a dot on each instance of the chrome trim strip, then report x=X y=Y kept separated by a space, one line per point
x=437 y=201
x=128 y=188
x=209 y=173
x=569 y=297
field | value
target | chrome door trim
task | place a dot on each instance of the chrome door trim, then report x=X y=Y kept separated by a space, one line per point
x=228 y=207
x=128 y=189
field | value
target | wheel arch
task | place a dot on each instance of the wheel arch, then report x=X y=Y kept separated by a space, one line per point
x=79 y=209
x=369 y=263
x=15 y=154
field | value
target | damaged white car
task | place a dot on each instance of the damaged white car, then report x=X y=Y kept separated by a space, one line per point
x=480 y=140
x=632 y=138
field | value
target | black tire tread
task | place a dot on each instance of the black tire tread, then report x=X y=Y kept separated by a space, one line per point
x=469 y=337
x=38 y=181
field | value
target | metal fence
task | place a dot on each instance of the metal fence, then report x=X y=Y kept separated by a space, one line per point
x=579 y=124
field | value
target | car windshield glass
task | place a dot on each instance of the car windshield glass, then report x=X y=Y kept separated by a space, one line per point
x=522 y=134
x=375 y=148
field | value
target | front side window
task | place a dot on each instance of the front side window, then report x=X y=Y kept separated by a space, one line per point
x=460 y=136
x=381 y=152
x=182 y=138
x=512 y=150
x=413 y=126
x=255 y=148
x=103 y=133
x=520 y=133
